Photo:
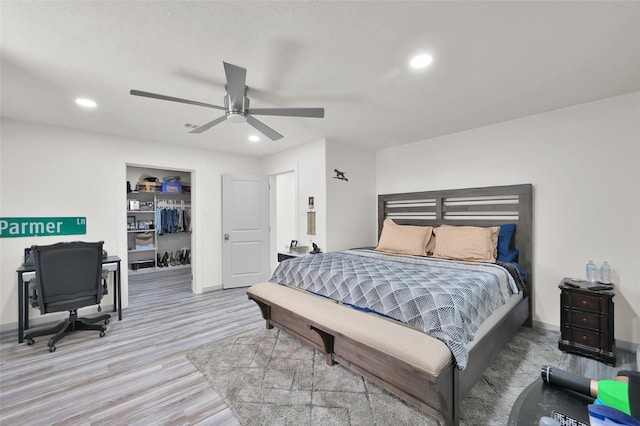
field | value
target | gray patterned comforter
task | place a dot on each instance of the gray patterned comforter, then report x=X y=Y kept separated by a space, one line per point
x=447 y=300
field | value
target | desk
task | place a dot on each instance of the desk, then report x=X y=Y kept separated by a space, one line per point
x=111 y=263
x=540 y=399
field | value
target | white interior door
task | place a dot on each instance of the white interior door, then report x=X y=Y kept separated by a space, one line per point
x=245 y=230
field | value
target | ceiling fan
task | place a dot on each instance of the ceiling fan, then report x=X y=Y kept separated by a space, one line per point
x=236 y=105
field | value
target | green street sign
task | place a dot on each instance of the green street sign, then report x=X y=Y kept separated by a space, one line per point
x=14 y=227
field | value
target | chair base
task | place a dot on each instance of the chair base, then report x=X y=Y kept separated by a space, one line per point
x=69 y=325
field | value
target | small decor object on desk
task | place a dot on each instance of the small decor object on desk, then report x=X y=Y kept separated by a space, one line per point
x=299 y=249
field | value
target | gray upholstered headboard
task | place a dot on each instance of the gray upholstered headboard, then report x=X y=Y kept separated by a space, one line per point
x=493 y=205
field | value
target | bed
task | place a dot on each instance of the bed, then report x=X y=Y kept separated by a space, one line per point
x=407 y=362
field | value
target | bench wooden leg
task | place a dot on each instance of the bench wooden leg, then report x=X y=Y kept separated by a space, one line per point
x=327 y=342
x=266 y=312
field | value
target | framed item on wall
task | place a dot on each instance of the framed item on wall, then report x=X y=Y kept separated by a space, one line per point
x=311 y=223
x=311 y=203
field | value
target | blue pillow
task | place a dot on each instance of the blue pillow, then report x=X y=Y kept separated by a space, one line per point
x=510 y=256
x=505 y=252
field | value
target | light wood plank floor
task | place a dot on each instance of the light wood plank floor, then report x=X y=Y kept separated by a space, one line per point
x=138 y=373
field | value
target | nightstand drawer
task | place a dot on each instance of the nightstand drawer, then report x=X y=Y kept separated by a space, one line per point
x=586 y=302
x=588 y=338
x=586 y=319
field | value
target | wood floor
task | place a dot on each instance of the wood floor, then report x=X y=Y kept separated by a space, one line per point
x=138 y=373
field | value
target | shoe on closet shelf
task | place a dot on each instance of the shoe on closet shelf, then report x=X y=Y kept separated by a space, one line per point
x=164 y=262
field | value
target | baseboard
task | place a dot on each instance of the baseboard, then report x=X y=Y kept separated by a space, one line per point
x=212 y=288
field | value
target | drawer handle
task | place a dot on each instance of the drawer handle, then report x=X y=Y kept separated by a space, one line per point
x=585 y=303
x=584 y=338
x=584 y=320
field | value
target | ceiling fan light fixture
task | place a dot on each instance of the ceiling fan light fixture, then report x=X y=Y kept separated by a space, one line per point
x=236 y=117
x=236 y=105
x=421 y=61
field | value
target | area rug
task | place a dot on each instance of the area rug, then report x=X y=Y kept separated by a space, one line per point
x=268 y=378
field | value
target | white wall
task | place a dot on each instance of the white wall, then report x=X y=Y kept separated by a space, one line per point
x=583 y=162
x=286 y=210
x=48 y=171
x=345 y=211
x=308 y=163
x=351 y=205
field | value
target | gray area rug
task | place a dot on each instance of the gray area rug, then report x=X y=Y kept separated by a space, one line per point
x=268 y=378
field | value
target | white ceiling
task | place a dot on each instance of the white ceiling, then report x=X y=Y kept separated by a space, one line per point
x=493 y=61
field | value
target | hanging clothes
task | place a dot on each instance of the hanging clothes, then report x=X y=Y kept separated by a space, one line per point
x=171 y=220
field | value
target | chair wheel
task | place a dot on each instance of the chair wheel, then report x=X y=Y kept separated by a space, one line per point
x=102 y=333
x=52 y=348
x=106 y=321
x=30 y=342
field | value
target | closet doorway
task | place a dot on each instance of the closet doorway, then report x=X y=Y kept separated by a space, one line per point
x=159 y=220
x=283 y=212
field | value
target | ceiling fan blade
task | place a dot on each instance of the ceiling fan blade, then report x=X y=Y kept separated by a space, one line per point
x=209 y=125
x=289 y=112
x=236 y=82
x=268 y=131
x=171 y=98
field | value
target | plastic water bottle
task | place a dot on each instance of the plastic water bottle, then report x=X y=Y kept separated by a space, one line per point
x=605 y=273
x=591 y=271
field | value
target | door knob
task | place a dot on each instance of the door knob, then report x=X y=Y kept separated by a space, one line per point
x=226 y=237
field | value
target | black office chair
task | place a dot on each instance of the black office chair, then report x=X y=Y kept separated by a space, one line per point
x=68 y=277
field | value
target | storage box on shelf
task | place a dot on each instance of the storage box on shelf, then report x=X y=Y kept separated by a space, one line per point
x=172 y=187
x=144 y=186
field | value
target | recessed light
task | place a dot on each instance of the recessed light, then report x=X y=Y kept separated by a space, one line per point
x=254 y=138
x=421 y=61
x=87 y=103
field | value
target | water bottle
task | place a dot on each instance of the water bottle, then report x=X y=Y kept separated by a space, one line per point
x=605 y=273
x=591 y=271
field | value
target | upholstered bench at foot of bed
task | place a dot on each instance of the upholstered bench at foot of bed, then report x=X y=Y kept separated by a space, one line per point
x=388 y=336
x=405 y=361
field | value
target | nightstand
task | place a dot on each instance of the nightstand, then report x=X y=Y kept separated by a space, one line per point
x=290 y=255
x=586 y=322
